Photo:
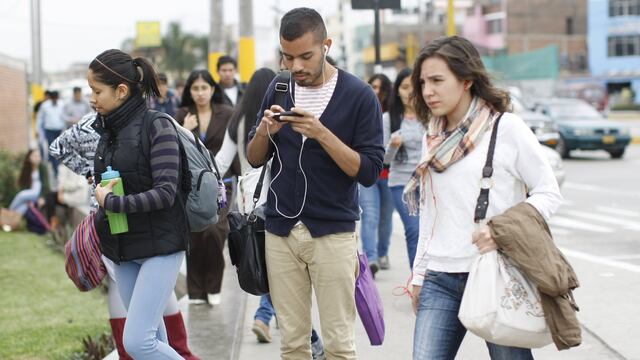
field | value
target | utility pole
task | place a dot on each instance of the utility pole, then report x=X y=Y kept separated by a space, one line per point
x=247 y=43
x=451 y=22
x=216 y=40
x=377 y=68
x=36 y=56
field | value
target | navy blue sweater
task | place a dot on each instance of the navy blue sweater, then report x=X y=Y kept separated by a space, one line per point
x=354 y=116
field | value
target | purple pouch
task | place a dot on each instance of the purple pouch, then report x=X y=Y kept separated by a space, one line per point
x=369 y=303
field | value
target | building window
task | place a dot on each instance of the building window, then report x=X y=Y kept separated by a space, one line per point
x=495 y=26
x=628 y=45
x=624 y=8
x=569 y=22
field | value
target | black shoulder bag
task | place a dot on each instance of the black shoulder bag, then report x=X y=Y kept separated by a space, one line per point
x=247 y=232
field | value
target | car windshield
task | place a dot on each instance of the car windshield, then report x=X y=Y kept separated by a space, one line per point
x=573 y=111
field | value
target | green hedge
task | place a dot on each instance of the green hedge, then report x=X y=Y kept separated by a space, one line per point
x=9 y=171
x=623 y=107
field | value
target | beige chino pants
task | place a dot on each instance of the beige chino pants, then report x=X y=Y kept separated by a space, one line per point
x=330 y=264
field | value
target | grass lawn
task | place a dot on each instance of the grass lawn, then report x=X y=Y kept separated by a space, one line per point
x=42 y=314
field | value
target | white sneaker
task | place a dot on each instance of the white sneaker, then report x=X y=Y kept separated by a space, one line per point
x=214 y=299
x=197 y=301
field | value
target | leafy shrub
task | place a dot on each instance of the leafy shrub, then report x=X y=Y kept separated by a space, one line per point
x=95 y=349
x=626 y=106
x=9 y=170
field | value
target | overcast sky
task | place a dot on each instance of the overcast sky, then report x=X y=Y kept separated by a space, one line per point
x=78 y=30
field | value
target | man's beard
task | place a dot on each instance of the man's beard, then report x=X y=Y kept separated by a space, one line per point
x=309 y=80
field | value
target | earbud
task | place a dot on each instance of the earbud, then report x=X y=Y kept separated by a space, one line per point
x=326 y=50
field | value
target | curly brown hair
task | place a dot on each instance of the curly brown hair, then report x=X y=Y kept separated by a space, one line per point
x=464 y=61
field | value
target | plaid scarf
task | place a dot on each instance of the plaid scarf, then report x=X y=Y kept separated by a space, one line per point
x=447 y=149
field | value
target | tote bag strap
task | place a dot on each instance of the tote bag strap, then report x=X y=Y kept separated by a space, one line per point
x=258 y=191
x=486 y=183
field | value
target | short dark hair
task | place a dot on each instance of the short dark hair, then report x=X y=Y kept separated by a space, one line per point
x=300 y=21
x=77 y=89
x=226 y=60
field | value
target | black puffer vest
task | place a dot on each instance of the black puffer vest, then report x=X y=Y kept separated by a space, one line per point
x=125 y=146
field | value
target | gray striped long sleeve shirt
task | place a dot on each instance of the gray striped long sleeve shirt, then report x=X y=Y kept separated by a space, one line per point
x=165 y=162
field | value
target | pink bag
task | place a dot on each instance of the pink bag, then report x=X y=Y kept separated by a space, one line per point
x=83 y=261
x=369 y=303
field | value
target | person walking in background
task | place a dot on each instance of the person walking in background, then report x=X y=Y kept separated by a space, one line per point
x=312 y=204
x=75 y=109
x=50 y=123
x=167 y=102
x=205 y=114
x=234 y=145
x=459 y=105
x=403 y=152
x=227 y=69
x=75 y=149
x=147 y=258
x=375 y=201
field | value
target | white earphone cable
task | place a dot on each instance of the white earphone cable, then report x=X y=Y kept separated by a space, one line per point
x=304 y=138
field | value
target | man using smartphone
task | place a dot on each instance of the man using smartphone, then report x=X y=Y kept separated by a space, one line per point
x=334 y=144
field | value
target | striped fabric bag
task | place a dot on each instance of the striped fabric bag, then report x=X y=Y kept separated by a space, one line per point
x=83 y=261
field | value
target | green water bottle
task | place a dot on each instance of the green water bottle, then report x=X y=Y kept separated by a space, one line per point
x=117 y=221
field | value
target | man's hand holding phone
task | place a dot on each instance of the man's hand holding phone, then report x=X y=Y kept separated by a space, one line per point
x=268 y=125
x=306 y=124
x=281 y=116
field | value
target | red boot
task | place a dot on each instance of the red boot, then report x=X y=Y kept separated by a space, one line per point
x=177 y=335
x=117 y=329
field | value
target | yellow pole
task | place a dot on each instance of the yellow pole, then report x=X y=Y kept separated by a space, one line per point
x=451 y=24
x=246 y=58
x=213 y=64
x=410 y=48
x=246 y=44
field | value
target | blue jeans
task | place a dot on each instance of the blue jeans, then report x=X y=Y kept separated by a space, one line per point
x=20 y=202
x=411 y=223
x=438 y=332
x=145 y=286
x=265 y=312
x=52 y=135
x=376 y=226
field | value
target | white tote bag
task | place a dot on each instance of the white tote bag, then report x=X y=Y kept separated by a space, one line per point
x=502 y=306
x=247 y=186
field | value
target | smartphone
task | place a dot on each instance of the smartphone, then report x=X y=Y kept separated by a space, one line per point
x=276 y=116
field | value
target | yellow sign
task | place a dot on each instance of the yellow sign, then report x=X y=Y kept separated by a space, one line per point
x=148 y=34
x=388 y=52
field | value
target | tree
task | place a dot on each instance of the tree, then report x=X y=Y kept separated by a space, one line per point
x=183 y=52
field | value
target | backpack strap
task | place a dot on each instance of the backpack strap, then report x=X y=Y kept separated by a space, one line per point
x=486 y=183
x=282 y=87
x=184 y=174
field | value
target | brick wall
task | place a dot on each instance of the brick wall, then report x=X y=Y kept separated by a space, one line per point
x=13 y=105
